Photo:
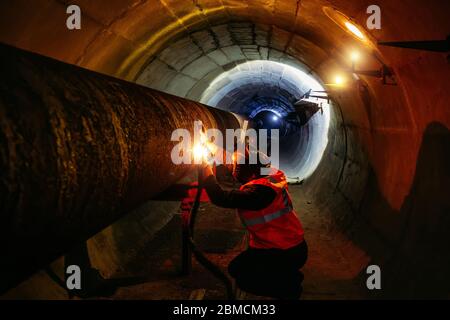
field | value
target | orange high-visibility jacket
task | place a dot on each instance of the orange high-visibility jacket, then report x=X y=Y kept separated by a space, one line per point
x=277 y=225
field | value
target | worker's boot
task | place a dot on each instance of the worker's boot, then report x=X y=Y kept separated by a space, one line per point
x=237 y=292
x=240 y=294
x=293 y=289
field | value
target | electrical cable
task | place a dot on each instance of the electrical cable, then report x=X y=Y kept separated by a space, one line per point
x=199 y=255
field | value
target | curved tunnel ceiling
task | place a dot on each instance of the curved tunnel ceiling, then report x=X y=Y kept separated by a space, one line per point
x=269 y=79
x=190 y=64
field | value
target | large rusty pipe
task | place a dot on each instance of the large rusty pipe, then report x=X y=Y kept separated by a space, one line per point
x=78 y=150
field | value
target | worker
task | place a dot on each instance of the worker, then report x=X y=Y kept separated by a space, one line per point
x=277 y=248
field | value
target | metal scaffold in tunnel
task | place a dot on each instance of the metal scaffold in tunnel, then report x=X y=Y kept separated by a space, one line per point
x=78 y=150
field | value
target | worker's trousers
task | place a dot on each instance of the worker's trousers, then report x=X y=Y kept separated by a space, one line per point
x=270 y=272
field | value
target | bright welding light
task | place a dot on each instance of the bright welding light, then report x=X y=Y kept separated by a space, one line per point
x=275 y=118
x=354 y=29
x=200 y=153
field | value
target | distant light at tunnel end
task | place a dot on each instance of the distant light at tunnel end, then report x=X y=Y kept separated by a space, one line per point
x=302 y=81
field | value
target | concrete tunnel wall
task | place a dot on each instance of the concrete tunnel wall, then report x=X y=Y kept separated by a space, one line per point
x=385 y=172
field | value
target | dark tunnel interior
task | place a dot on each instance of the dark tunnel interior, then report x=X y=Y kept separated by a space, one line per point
x=368 y=164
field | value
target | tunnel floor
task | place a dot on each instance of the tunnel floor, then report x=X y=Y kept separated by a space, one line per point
x=334 y=269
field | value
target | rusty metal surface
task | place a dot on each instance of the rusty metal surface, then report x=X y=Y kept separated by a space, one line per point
x=78 y=150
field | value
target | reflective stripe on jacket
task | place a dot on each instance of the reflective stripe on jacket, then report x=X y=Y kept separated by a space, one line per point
x=277 y=225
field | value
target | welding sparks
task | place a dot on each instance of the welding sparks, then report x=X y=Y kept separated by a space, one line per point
x=200 y=153
x=204 y=150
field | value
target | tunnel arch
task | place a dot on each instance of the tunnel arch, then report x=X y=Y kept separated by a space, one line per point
x=193 y=61
x=261 y=85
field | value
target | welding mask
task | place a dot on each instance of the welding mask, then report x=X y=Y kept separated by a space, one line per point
x=245 y=172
